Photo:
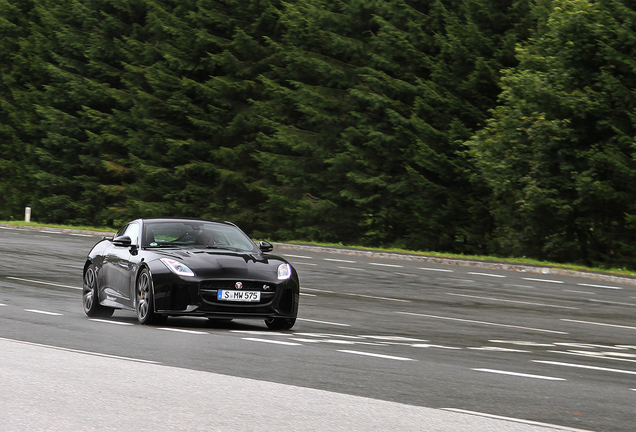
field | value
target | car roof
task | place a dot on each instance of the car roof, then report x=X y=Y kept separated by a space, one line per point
x=182 y=219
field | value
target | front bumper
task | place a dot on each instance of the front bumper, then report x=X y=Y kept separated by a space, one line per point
x=176 y=297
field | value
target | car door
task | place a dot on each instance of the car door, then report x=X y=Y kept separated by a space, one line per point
x=120 y=264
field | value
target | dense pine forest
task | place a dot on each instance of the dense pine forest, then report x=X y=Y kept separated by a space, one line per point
x=501 y=127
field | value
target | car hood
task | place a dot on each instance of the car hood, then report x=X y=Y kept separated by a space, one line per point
x=218 y=263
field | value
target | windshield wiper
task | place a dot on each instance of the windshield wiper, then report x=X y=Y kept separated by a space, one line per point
x=231 y=248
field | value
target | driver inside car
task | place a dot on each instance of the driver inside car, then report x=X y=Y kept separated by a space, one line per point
x=206 y=238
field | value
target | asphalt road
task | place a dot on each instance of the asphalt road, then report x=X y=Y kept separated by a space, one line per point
x=380 y=344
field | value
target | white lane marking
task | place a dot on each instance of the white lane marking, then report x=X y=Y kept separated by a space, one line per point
x=80 y=351
x=393 y=338
x=2 y=304
x=600 y=286
x=308 y=295
x=604 y=356
x=580 y=366
x=298 y=256
x=434 y=346
x=520 y=286
x=611 y=355
x=81 y=235
x=438 y=270
x=580 y=292
x=388 y=357
x=543 y=280
x=323 y=322
x=612 y=302
x=109 y=321
x=7 y=228
x=522 y=343
x=339 y=260
x=598 y=324
x=487 y=274
x=304 y=263
x=261 y=332
x=589 y=346
x=330 y=335
x=518 y=374
x=357 y=340
x=512 y=419
x=497 y=349
x=181 y=330
x=625 y=356
x=51 y=232
x=483 y=323
x=351 y=268
x=323 y=340
x=512 y=301
x=386 y=265
x=44 y=283
x=318 y=290
x=357 y=295
x=378 y=298
x=43 y=312
x=271 y=341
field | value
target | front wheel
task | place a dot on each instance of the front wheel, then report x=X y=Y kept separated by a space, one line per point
x=280 y=323
x=90 y=299
x=144 y=301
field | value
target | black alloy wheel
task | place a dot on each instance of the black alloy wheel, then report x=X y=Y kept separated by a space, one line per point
x=144 y=301
x=280 y=323
x=90 y=299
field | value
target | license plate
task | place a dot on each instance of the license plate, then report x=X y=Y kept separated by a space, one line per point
x=244 y=296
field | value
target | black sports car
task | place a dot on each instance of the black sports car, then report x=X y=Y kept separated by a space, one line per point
x=179 y=267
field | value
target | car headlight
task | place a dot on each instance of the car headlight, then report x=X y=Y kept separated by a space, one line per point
x=177 y=267
x=284 y=271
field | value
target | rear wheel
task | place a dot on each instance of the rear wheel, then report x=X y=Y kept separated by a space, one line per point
x=280 y=323
x=90 y=298
x=144 y=302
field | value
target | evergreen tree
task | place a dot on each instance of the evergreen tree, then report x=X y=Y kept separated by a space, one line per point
x=70 y=176
x=559 y=151
x=380 y=96
x=190 y=134
x=21 y=84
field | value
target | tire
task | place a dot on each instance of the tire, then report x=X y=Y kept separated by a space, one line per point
x=280 y=323
x=90 y=297
x=144 y=300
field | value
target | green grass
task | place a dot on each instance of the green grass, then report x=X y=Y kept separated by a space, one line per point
x=522 y=261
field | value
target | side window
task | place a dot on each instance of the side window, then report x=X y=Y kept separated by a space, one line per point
x=121 y=231
x=132 y=231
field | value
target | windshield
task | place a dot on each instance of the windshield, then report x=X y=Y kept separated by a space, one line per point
x=195 y=233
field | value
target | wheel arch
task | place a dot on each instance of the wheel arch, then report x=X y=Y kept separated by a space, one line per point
x=144 y=265
x=86 y=264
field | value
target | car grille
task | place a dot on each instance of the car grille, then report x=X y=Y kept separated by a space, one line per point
x=231 y=285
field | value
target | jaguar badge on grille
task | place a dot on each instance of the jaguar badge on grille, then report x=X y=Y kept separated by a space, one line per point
x=238 y=285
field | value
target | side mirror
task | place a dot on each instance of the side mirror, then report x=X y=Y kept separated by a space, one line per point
x=122 y=241
x=265 y=246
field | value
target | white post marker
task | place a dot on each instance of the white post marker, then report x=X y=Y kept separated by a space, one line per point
x=27 y=214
